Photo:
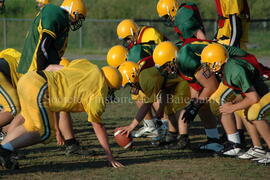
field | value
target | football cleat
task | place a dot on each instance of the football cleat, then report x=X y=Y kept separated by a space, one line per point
x=76 y=149
x=183 y=142
x=151 y=128
x=166 y=139
x=6 y=159
x=212 y=144
x=2 y=135
x=265 y=160
x=230 y=149
x=253 y=153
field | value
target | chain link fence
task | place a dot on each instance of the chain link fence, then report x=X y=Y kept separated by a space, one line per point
x=96 y=35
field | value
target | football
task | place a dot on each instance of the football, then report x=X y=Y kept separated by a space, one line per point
x=122 y=140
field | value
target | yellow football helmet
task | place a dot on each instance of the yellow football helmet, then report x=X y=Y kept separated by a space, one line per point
x=167 y=7
x=214 y=55
x=130 y=72
x=64 y=62
x=117 y=55
x=164 y=52
x=77 y=10
x=127 y=28
x=112 y=76
x=43 y=2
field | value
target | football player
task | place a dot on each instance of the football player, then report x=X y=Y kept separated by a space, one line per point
x=233 y=22
x=204 y=85
x=133 y=35
x=153 y=84
x=185 y=18
x=46 y=43
x=56 y=91
x=246 y=76
x=9 y=101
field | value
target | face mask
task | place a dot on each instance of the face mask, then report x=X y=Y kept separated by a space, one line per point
x=77 y=24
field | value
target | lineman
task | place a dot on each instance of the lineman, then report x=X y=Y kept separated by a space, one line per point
x=152 y=83
x=134 y=38
x=60 y=91
x=46 y=43
x=247 y=76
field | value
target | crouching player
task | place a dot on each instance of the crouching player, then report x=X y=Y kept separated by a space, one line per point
x=246 y=76
x=172 y=90
x=161 y=54
x=9 y=101
x=81 y=86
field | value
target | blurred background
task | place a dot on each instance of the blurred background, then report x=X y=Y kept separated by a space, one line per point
x=98 y=33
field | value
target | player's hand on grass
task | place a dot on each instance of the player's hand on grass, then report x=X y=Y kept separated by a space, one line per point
x=59 y=138
x=227 y=108
x=115 y=164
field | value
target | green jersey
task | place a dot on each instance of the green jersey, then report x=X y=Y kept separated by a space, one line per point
x=188 y=20
x=140 y=51
x=189 y=57
x=241 y=76
x=52 y=20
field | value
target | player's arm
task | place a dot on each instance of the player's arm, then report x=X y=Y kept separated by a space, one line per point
x=54 y=67
x=236 y=30
x=46 y=54
x=251 y=97
x=210 y=84
x=146 y=107
x=59 y=137
x=103 y=140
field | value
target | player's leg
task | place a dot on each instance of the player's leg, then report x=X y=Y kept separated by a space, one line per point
x=72 y=145
x=258 y=113
x=39 y=120
x=256 y=150
x=222 y=95
x=210 y=124
x=150 y=127
x=9 y=101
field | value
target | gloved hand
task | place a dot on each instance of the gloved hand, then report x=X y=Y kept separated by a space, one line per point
x=192 y=110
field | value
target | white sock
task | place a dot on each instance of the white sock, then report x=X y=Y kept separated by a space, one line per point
x=8 y=146
x=212 y=133
x=259 y=147
x=234 y=138
x=150 y=123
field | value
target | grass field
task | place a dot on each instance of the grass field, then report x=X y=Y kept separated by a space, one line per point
x=142 y=162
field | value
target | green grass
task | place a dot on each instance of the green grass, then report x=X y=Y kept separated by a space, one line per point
x=142 y=162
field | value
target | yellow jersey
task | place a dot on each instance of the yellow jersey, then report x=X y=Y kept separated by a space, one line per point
x=12 y=57
x=78 y=87
x=152 y=82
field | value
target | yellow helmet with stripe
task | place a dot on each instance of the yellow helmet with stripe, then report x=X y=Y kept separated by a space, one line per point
x=214 y=55
x=167 y=7
x=164 y=52
x=77 y=10
x=112 y=76
x=130 y=72
x=117 y=55
x=127 y=28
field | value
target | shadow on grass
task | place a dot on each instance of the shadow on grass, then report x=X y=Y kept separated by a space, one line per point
x=77 y=166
